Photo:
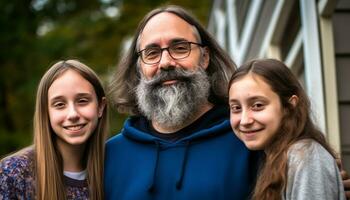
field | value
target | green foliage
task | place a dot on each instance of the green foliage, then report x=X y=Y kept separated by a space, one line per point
x=74 y=29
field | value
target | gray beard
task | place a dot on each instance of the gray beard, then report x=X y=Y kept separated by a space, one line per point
x=171 y=106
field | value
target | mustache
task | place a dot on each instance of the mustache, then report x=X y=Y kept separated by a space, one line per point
x=172 y=74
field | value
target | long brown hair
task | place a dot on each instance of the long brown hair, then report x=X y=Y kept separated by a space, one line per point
x=48 y=160
x=126 y=77
x=296 y=124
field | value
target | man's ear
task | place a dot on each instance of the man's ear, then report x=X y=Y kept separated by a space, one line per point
x=206 y=57
x=294 y=99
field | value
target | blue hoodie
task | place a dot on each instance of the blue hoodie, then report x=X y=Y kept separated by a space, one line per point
x=210 y=163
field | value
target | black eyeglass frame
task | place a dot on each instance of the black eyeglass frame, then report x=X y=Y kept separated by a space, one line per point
x=139 y=53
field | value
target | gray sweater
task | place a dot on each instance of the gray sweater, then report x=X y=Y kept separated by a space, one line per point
x=312 y=173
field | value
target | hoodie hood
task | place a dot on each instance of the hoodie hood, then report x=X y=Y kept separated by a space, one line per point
x=132 y=132
x=208 y=125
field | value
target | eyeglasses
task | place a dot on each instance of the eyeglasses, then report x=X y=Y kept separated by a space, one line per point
x=178 y=50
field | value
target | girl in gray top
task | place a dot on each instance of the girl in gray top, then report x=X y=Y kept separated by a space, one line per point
x=271 y=112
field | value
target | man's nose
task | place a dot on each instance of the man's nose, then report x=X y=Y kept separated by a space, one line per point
x=166 y=61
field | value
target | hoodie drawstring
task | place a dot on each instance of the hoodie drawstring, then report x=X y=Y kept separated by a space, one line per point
x=179 y=181
x=152 y=185
x=183 y=167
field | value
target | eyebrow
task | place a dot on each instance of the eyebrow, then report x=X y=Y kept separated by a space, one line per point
x=173 y=41
x=256 y=98
x=253 y=98
x=232 y=101
x=59 y=97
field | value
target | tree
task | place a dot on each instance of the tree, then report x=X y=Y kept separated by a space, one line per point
x=35 y=34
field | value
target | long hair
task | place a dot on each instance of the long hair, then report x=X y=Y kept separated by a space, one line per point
x=126 y=78
x=48 y=160
x=296 y=124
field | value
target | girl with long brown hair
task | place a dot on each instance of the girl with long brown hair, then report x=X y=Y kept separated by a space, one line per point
x=70 y=126
x=271 y=112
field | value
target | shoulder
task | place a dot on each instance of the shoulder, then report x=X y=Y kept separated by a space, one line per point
x=114 y=139
x=16 y=174
x=312 y=172
x=308 y=158
x=18 y=163
x=308 y=150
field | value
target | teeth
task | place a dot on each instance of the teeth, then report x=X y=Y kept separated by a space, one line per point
x=74 y=128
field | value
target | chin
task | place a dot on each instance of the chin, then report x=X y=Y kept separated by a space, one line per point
x=77 y=142
x=254 y=147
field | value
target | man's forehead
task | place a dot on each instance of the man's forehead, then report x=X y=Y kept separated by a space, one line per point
x=164 y=28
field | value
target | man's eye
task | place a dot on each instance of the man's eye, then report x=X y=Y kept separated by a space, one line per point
x=180 y=48
x=151 y=53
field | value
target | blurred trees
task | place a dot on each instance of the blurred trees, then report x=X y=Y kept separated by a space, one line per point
x=36 y=33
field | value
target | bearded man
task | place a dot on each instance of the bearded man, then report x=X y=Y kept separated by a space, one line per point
x=178 y=143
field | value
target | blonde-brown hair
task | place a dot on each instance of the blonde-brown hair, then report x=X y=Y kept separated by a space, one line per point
x=48 y=160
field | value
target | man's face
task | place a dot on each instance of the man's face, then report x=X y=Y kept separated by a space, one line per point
x=166 y=29
x=172 y=91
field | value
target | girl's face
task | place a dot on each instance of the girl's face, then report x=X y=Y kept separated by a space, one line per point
x=73 y=108
x=256 y=111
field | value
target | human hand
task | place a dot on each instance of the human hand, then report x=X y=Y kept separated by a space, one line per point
x=345 y=177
